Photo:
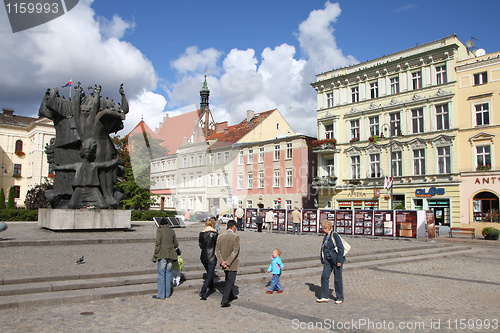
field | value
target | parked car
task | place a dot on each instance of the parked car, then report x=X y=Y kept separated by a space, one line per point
x=203 y=216
x=225 y=218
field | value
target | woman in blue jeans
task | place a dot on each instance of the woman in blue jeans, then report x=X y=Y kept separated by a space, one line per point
x=165 y=254
x=207 y=241
x=332 y=258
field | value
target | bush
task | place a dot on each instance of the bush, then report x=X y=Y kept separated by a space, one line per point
x=490 y=233
x=148 y=215
x=2 y=199
x=18 y=215
x=10 y=201
x=399 y=207
x=35 y=198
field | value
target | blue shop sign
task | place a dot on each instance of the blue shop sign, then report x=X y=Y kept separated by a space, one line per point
x=420 y=192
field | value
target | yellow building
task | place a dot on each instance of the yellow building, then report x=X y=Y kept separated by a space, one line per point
x=478 y=96
x=22 y=157
x=401 y=108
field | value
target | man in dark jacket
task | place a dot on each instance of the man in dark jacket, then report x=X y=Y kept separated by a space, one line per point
x=165 y=254
x=207 y=241
x=227 y=251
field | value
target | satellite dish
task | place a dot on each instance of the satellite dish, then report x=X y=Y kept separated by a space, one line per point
x=480 y=52
x=470 y=44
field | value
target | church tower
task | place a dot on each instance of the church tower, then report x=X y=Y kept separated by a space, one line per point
x=204 y=94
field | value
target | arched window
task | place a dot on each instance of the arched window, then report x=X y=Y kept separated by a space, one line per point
x=19 y=145
x=485 y=206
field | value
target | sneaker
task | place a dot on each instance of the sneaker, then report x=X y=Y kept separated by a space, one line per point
x=322 y=300
x=279 y=291
x=203 y=298
x=339 y=302
x=269 y=292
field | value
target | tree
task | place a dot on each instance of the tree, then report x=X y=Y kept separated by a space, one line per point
x=135 y=196
x=35 y=198
x=2 y=199
x=10 y=202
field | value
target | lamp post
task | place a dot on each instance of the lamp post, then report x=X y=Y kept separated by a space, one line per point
x=387 y=127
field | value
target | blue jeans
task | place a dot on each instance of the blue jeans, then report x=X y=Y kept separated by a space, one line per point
x=337 y=282
x=275 y=282
x=164 y=278
x=209 y=280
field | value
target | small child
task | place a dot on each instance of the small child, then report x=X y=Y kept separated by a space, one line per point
x=177 y=267
x=275 y=267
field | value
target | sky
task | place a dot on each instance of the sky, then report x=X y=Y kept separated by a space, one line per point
x=257 y=55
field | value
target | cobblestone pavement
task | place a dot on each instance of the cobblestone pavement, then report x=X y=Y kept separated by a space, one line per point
x=453 y=294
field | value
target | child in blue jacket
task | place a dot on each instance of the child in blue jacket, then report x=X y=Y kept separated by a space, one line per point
x=275 y=267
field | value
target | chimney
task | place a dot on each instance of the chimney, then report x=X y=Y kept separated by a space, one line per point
x=8 y=111
x=250 y=115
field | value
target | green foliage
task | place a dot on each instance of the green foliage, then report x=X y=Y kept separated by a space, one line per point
x=18 y=215
x=490 y=233
x=148 y=215
x=2 y=199
x=35 y=198
x=399 y=207
x=10 y=202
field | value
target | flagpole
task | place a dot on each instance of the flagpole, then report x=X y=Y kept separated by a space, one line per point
x=71 y=80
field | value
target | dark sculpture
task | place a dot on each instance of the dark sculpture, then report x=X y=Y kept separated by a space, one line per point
x=82 y=155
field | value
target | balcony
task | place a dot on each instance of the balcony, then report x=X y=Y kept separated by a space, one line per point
x=325 y=181
x=324 y=145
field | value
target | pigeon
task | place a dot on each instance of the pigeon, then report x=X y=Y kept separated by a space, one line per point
x=80 y=261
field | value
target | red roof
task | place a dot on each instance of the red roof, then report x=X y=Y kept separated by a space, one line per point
x=175 y=129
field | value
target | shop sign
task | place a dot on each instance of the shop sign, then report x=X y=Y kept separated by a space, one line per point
x=344 y=203
x=420 y=192
x=357 y=203
x=486 y=180
x=371 y=203
x=356 y=194
x=433 y=203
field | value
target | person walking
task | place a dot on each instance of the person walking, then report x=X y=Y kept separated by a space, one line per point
x=259 y=220
x=239 y=218
x=207 y=241
x=227 y=251
x=296 y=218
x=276 y=268
x=332 y=258
x=270 y=220
x=164 y=256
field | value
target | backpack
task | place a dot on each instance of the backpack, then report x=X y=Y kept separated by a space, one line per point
x=346 y=245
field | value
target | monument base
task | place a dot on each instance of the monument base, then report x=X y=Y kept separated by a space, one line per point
x=74 y=219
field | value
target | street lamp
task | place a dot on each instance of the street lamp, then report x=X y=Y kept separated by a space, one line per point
x=385 y=128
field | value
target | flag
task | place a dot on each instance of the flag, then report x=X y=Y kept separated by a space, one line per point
x=68 y=84
x=389 y=183
x=386 y=182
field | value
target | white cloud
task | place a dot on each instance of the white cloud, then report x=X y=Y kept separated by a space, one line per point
x=115 y=28
x=146 y=106
x=194 y=61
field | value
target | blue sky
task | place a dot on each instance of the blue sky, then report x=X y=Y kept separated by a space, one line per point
x=257 y=54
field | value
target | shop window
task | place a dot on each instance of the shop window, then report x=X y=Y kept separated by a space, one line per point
x=485 y=207
x=418 y=204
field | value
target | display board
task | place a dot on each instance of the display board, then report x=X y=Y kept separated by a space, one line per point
x=430 y=225
x=383 y=221
x=363 y=222
x=173 y=222
x=343 y=222
x=406 y=223
x=289 y=220
x=326 y=215
x=250 y=217
x=309 y=220
x=279 y=219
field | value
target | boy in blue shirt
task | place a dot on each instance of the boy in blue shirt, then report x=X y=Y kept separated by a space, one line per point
x=275 y=267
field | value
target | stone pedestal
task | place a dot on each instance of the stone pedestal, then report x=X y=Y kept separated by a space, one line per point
x=74 y=219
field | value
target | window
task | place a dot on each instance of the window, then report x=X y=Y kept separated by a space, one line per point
x=250 y=180
x=374 y=128
x=397 y=165
x=277 y=126
x=240 y=181
x=355 y=167
x=483 y=154
x=276 y=204
x=211 y=179
x=249 y=204
x=395 y=124
x=191 y=180
x=250 y=156
x=261 y=155
x=276 y=152
x=184 y=162
x=19 y=146
x=289 y=204
x=355 y=128
x=218 y=179
x=375 y=165
x=212 y=159
x=17 y=191
x=276 y=180
x=261 y=179
x=354 y=94
x=442 y=118
x=192 y=160
x=329 y=100
x=417 y=118
x=199 y=178
x=200 y=160
x=480 y=78
x=329 y=166
x=441 y=74
x=17 y=169
x=289 y=178
x=416 y=78
x=184 y=181
x=329 y=131
x=219 y=158
x=225 y=178
x=374 y=89
x=444 y=164
x=418 y=162
x=240 y=157
x=394 y=85
x=482 y=114
x=289 y=151
x=226 y=157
